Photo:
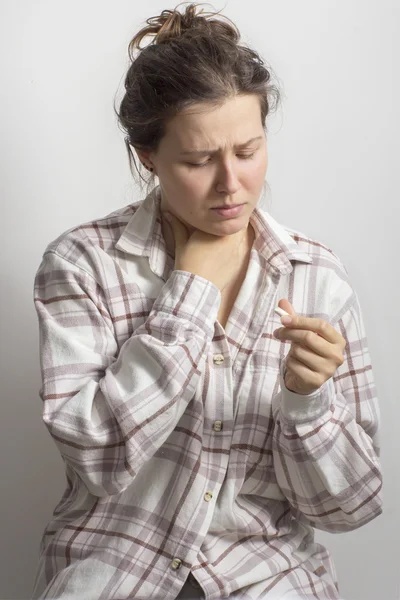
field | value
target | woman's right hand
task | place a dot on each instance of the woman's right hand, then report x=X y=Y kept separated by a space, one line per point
x=216 y=258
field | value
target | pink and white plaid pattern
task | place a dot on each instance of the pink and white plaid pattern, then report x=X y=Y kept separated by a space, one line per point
x=184 y=451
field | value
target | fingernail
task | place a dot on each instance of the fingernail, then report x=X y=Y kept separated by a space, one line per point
x=286 y=320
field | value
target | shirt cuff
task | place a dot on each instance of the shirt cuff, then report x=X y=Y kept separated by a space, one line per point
x=298 y=408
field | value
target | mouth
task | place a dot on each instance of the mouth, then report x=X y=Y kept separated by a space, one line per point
x=229 y=211
x=227 y=206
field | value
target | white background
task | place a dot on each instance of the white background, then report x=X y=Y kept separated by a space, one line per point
x=333 y=174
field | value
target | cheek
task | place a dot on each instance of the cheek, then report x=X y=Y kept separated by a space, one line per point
x=175 y=184
x=255 y=175
x=190 y=195
x=263 y=163
x=193 y=184
x=181 y=187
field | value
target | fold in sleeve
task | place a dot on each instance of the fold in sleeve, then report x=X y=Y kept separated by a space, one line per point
x=109 y=411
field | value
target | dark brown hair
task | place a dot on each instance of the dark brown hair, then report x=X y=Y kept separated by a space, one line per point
x=193 y=57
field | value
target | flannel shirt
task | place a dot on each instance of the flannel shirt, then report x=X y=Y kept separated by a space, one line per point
x=184 y=452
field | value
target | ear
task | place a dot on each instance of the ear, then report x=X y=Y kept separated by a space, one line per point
x=145 y=157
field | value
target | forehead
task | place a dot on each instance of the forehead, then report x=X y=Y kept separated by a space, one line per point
x=203 y=125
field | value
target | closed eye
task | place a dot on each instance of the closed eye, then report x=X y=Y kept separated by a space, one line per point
x=246 y=155
x=203 y=164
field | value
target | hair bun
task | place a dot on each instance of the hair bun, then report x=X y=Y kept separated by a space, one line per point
x=172 y=24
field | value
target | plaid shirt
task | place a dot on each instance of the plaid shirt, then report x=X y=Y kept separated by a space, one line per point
x=184 y=451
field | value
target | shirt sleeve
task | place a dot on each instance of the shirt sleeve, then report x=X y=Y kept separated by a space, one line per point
x=326 y=444
x=108 y=409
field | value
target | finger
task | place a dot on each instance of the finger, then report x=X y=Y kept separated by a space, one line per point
x=307 y=339
x=308 y=358
x=168 y=224
x=285 y=304
x=300 y=370
x=319 y=326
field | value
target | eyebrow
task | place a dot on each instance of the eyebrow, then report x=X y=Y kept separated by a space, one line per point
x=189 y=152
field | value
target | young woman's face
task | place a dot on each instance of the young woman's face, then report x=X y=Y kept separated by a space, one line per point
x=209 y=157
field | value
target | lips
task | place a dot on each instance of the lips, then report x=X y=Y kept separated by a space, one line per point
x=227 y=206
x=229 y=211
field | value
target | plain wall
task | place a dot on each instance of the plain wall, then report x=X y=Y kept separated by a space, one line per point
x=333 y=174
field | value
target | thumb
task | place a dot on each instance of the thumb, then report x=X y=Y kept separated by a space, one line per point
x=285 y=304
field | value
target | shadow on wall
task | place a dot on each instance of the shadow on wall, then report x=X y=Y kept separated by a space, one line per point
x=32 y=471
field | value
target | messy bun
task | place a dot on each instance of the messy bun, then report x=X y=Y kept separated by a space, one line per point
x=171 y=24
x=193 y=57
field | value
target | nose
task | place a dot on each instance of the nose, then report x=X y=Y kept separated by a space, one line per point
x=227 y=178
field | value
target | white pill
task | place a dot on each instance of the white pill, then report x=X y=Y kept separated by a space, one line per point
x=281 y=312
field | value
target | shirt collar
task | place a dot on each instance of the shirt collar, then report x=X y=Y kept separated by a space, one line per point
x=143 y=236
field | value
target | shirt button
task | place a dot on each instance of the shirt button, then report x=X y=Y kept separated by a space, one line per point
x=217 y=425
x=218 y=359
x=207 y=496
x=176 y=563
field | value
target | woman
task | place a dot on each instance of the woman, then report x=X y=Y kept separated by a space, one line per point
x=203 y=442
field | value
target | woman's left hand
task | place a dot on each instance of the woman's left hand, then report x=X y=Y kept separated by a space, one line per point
x=315 y=354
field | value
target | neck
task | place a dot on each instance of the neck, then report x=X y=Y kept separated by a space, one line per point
x=170 y=241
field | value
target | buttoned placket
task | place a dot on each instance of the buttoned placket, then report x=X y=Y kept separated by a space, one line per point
x=176 y=562
x=218 y=360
